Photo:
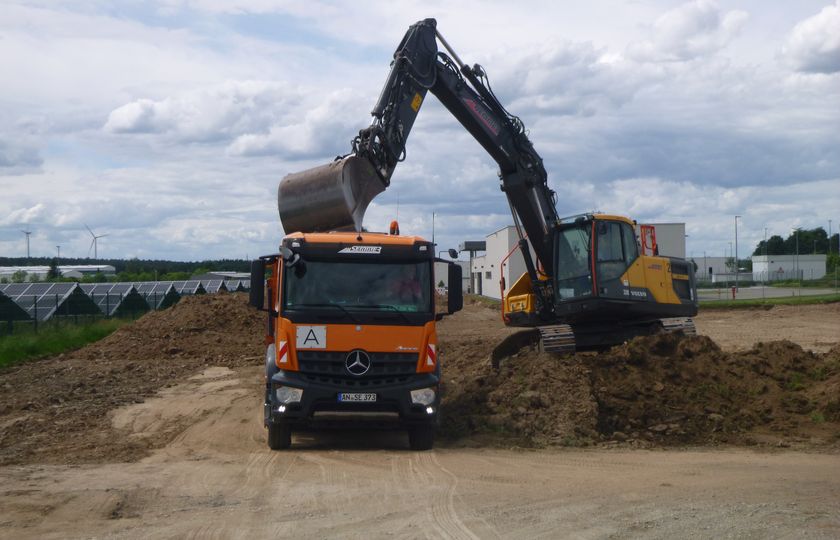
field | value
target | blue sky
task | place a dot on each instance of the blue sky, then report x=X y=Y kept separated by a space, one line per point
x=168 y=125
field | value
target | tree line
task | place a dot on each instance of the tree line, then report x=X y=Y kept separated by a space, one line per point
x=810 y=241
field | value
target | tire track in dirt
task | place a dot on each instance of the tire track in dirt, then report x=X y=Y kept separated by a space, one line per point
x=444 y=517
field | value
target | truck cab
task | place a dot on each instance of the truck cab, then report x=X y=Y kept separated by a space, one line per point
x=351 y=333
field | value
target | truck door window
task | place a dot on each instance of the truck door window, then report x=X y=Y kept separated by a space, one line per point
x=572 y=265
x=631 y=247
x=611 y=262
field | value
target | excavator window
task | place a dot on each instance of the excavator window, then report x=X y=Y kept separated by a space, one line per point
x=572 y=269
x=611 y=262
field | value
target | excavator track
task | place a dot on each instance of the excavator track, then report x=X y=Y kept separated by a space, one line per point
x=677 y=324
x=560 y=338
x=557 y=338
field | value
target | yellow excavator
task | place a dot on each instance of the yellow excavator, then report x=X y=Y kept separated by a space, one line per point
x=587 y=283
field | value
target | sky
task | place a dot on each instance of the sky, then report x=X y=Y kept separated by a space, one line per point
x=168 y=125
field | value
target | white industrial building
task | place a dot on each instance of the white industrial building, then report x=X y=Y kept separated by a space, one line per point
x=670 y=238
x=780 y=267
x=68 y=271
x=488 y=269
x=713 y=269
x=442 y=274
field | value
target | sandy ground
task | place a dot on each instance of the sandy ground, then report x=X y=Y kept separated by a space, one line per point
x=215 y=478
x=218 y=480
x=816 y=327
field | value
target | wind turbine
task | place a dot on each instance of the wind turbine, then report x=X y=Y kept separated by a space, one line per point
x=27 y=233
x=93 y=243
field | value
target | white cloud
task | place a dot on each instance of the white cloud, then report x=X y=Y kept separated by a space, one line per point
x=690 y=31
x=169 y=127
x=813 y=45
x=252 y=118
x=18 y=157
x=21 y=216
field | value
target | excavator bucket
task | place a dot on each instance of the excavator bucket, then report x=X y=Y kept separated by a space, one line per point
x=330 y=197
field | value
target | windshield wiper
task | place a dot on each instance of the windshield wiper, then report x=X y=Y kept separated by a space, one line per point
x=337 y=306
x=384 y=306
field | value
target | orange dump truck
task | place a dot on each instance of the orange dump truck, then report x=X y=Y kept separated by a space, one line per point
x=351 y=333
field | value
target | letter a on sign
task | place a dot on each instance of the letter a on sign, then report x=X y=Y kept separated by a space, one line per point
x=311 y=337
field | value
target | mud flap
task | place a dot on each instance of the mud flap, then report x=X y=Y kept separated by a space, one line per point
x=330 y=197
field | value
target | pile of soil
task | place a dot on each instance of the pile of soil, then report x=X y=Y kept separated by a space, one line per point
x=56 y=409
x=664 y=389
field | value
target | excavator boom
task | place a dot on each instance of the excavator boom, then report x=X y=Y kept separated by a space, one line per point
x=336 y=195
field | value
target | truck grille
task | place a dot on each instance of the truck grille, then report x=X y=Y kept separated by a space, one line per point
x=328 y=367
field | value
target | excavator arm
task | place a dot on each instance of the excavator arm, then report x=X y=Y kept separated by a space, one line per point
x=336 y=195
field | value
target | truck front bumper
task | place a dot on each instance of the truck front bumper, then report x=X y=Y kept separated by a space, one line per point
x=319 y=403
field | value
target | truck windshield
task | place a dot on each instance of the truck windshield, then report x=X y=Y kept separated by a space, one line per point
x=572 y=269
x=385 y=286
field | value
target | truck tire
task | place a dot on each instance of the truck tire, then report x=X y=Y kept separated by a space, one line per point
x=421 y=437
x=279 y=436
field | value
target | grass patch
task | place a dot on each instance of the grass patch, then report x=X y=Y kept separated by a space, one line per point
x=825 y=282
x=817 y=417
x=50 y=340
x=765 y=302
x=484 y=300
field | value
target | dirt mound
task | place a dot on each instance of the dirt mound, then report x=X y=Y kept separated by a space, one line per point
x=664 y=389
x=56 y=409
x=674 y=389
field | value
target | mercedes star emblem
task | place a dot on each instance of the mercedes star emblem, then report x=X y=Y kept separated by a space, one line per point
x=357 y=362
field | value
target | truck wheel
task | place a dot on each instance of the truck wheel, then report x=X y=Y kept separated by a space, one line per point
x=421 y=437
x=279 y=436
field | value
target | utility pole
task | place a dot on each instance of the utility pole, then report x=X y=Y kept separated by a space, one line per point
x=766 y=260
x=58 y=249
x=433 y=228
x=829 y=237
x=736 y=252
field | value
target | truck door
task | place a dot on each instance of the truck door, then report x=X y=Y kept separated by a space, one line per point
x=616 y=250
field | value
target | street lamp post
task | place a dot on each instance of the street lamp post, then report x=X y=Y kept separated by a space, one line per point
x=766 y=264
x=736 y=252
x=796 y=235
x=433 y=228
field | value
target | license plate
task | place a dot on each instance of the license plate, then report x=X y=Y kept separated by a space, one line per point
x=356 y=397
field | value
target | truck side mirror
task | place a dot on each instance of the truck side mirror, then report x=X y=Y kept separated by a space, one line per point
x=455 y=300
x=453 y=253
x=257 y=295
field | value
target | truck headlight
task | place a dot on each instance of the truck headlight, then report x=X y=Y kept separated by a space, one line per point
x=287 y=394
x=423 y=396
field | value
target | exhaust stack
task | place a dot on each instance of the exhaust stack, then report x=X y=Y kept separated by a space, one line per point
x=329 y=197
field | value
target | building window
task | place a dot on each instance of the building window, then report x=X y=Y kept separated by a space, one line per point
x=487 y=275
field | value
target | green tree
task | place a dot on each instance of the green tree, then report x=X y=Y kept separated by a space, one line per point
x=19 y=276
x=54 y=273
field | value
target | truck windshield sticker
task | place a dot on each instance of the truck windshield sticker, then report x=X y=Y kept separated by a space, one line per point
x=370 y=250
x=311 y=337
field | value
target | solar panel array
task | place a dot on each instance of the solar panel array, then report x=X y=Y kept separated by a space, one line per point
x=116 y=298
x=43 y=301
